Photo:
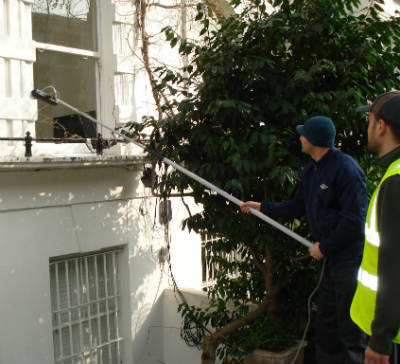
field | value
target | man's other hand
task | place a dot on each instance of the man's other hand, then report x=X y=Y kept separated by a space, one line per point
x=372 y=357
x=315 y=252
x=246 y=206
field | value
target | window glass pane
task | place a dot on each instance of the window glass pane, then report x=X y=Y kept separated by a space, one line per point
x=70 y=23
x=74 y=78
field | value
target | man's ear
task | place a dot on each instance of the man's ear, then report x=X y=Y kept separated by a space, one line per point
x=382 y=126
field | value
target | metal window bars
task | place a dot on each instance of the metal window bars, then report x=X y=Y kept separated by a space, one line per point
x=209 y=267
x=85 y=309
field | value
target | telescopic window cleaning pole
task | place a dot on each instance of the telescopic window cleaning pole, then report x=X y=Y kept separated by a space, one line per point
x=55 y=100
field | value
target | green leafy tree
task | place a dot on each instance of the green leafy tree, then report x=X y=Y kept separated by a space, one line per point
x=231 y=118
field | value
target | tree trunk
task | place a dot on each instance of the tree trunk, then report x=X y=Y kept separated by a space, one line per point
x=211 y=342
x=209 y=348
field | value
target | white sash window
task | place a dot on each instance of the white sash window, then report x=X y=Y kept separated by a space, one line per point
x=65 y=35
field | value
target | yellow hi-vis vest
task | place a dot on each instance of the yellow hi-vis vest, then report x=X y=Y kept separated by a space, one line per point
x=362 y=309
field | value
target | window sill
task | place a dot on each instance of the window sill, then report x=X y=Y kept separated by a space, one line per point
x=53 y=156
x=83 y=161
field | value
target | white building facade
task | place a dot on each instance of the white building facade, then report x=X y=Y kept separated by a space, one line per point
x=84 y=271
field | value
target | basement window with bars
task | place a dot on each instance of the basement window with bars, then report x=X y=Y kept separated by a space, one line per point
x=209 y=266
x=85 y=308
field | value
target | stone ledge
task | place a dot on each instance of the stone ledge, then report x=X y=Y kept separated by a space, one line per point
x=77 y=161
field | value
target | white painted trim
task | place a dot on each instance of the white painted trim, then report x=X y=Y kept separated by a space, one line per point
x=97 y=65
x=26 y=25
x=14 y=19
x=18 y=108
x=107 y=65
x=24 y=51
x=69 y=50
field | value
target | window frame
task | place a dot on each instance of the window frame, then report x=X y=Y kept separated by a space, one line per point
x=96 y=55
x=82 y=277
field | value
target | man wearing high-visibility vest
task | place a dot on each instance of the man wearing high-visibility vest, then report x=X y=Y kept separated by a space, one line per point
x=376 y=303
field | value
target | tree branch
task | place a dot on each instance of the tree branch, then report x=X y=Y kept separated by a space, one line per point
x=176 y=6
x=186 y=206
x=257 y=261
x=211 y=342
x=141 y=8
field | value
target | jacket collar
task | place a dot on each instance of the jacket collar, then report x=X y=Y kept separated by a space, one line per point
x=386 y=160
x=324 y=160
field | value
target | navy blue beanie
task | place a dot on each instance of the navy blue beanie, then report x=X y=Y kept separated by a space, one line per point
x=319 y=131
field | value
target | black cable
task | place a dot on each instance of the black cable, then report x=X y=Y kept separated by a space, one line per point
x=309 y=311
x=192 y=331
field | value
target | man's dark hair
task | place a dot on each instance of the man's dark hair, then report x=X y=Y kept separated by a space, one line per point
x=395 y=130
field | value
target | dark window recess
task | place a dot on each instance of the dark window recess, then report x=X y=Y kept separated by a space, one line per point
x=75 y=126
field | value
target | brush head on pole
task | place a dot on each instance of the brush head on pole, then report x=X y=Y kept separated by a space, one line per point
x=43 y=96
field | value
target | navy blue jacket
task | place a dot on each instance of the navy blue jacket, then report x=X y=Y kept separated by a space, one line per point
x=332 y=193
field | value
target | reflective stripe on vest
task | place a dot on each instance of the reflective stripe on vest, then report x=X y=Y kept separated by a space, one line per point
x=368 y=280
x=362 y=309
x=371 y=233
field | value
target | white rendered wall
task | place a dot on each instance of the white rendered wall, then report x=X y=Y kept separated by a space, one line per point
x=163 y=334
x=67 y=211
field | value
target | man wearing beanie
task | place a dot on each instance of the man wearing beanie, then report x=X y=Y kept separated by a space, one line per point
x=376 y=304
x=332 y=194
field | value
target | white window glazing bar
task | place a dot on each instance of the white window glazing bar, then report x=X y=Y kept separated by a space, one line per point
x=116 y=303
x=107 y=308
x=78 y=291
x=84 y=304
x=89 y=308
x=59 y=312
x=99 y=351
x=69 y=311
x=67 y=358
x=69 y=50
x=4 y=15
x=76 y=322
x=207 y=284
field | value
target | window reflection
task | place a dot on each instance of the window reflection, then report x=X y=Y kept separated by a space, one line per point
x=74 y=77
x=70 y=23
